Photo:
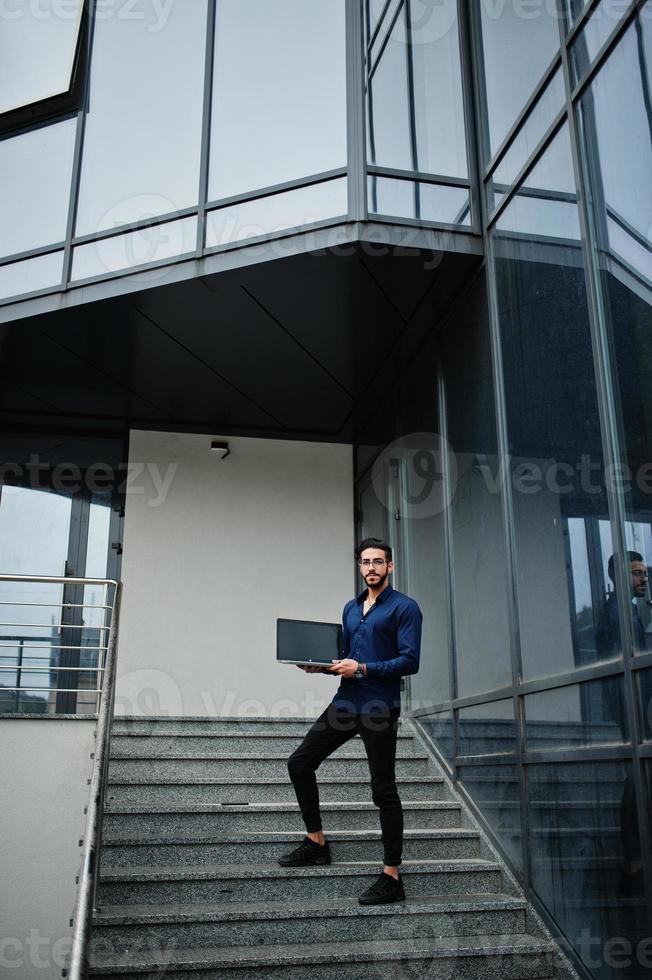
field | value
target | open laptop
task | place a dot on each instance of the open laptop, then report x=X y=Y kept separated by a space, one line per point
x=299 y=641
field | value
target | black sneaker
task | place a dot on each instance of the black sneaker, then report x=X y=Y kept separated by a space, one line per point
x=308 y=852
x=385 y=889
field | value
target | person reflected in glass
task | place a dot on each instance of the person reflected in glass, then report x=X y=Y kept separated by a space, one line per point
x=609 y=644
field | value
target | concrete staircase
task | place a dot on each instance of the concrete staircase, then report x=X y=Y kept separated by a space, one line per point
x=198 y=811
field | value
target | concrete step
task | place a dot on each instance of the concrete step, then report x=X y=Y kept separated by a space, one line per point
x=176 y=767
x=297 y=727
x=269 y=882
x=433 y=845
x=208 y=790
x=201 y=818
x=263 y=746
x=141 y=929
x=488 y=957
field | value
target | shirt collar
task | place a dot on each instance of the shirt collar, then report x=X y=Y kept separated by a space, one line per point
x=382 y=597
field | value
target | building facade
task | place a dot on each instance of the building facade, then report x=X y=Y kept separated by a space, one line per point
x=276 y=274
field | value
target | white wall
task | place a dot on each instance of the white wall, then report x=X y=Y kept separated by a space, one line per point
x=44 y=767
x=213 y=554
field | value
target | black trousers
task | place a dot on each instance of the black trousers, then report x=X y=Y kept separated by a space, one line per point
x=333 y=728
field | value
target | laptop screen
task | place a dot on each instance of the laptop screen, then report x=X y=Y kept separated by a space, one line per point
x=301 y=642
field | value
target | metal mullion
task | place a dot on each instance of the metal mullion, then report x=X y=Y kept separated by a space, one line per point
x=355 y=113
x=26 y=670
x=608 y=415
x=486 y=697
x=33 y=294
x=421 y=175
x=522 y=117
x=498 y=759
x=612 y=41
x=586 y=753
x=378 y=25
x=529 y=166
x=449 y=557
x=432 y=709
x=641 y=660
x=628 y=228
x=409 y=66
x=130 y=270
x=392 y=219
x=465 y=45
x=73 y=200
x=209 y=67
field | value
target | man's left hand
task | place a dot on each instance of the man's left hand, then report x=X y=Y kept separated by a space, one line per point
x=345 y=668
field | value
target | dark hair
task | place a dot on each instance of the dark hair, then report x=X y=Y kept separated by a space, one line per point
x=631 y=555
x=374 y=543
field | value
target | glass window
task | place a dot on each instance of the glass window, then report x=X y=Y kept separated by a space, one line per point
x=594 y=33
x=279 y=93
x=143 y=130
x=494 y=789
x=545 y=205
x=151 y=244
x=531 y=132
x=428 y=202
x=440 y=728
x=643 y=684
x=37 y=51
x=561 y=527
x=30 y=275
x=592 y=713
x=586 y=858
x=479 y=574
x=268 y=215
x=410 y=129
x=486 y=729
x=35 y=188
x=517 y=47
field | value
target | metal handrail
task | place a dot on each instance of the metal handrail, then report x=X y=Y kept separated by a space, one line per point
x=90 y=865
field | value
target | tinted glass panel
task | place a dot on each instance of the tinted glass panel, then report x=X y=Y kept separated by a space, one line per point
x=494 y=789
x=487 y=728
x=430 y=202
x=37 y=50
x=586 y=858
x=580 y=714
x=143 y=131
x=517 y=51
x=594 y=33
x=440 y=728
x=41 y=272
x=36 y=171
x=151 y=244
x=279 y=102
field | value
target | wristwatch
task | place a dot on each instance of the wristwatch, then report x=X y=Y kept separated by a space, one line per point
x=359 y=674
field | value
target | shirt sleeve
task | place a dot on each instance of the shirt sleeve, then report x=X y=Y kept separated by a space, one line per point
x=346 y=638
x=408 y=644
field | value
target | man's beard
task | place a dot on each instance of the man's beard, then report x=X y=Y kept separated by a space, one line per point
x=381 y=581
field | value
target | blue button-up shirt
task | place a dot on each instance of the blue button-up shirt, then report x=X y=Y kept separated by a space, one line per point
x=388 y=641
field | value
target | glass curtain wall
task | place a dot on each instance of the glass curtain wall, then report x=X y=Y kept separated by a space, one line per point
x=540 y=391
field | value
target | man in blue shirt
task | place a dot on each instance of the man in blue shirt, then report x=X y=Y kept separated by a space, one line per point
x=381 y=639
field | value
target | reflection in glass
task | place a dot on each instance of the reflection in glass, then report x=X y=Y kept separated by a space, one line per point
x=494 y=789
x=30 y=275
x=586 y=855
x=407 y=129
x=279 y=101
x=135 y=248
x=643 y=687
x=429 y=202
x=546 y=203
x=560 y=508
x=268 y=215
x=479 y=574
x=593 y=35
x=487 y=728
x=36 y=172
x=440 y=728
x=592 y=713
x=34 y=532
x=37 y=51
x=517 y=50
x=531 y=132
x=142 y=138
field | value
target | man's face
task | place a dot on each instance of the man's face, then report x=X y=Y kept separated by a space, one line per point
x=638 y=571
x=374 y=576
